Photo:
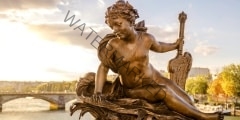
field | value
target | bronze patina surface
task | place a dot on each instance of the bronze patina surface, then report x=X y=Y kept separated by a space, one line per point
x=140 y=92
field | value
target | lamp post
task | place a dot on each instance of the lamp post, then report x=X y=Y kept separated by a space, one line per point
x=234 y=73
x=234 y=108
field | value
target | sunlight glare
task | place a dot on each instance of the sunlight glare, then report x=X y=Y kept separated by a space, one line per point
x=24 y=56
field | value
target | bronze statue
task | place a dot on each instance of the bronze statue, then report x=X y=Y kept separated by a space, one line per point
x=140 y=91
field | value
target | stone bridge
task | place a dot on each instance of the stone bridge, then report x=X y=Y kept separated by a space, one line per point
x=58 y=99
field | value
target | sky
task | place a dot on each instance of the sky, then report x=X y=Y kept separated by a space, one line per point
x=39 y=43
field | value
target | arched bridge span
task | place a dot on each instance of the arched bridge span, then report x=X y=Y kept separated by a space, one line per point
x=59 y=99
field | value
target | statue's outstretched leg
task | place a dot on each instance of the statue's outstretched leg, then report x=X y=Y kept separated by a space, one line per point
x=173 y=86
x=157 y=93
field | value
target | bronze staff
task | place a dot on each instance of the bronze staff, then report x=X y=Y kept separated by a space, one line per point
x=179 y=66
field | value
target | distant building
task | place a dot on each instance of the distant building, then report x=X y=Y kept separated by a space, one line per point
x=196 y=71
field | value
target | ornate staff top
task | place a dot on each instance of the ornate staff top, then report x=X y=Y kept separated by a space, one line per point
x=182 y=18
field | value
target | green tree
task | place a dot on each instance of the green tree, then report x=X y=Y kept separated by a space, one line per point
x=28 y=89
x=57 y=87
x=10 y=89
x=197 y=85
x=73 y=86
x=41 y=87
x=190 y=85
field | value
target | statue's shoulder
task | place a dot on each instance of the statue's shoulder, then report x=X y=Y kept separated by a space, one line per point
x=103 y=43
x=103 y=50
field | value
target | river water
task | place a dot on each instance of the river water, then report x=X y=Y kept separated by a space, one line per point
x=36 y=109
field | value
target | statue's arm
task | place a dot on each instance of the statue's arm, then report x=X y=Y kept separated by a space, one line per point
x=162 y=47
x=100 y=78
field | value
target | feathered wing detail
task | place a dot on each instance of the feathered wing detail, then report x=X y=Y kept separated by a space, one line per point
x=179 y=68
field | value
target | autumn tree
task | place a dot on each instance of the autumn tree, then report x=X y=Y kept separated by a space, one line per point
x=227 y=82
x=215 y=88
x=231 y=79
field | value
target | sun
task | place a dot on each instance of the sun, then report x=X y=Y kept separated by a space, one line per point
x=18 y=52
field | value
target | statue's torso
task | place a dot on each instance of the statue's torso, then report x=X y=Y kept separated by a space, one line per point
x=132 y=61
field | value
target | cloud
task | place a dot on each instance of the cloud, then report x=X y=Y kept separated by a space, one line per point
x=29 y=11
x=40 y=11
x=165 y=34
x=63 y=72
x=30 y=57
x=65 y=34
x=79 y=32
x=205 y=49
x=101 y=3
x=3 y=16
x=27 y=4
x=210 y=30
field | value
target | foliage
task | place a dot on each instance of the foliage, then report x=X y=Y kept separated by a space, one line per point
x=227 y=82
x=215 y=88
x=8 y=89
x=197 y=85
x=40 y=87
x=28 y=89
x=57 y=87
x=231 y=79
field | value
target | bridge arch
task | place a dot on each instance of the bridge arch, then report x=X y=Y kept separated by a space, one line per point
x=58 y=99
x=52 y=101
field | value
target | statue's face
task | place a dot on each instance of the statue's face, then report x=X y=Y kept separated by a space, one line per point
x=121 y=27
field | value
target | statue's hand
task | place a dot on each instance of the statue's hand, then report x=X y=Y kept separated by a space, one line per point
x=179 y=42
x=98 y=97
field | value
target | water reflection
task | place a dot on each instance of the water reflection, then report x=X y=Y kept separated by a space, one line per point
x=18 y=109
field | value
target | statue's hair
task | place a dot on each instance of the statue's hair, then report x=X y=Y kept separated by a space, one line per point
x=121 y=9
